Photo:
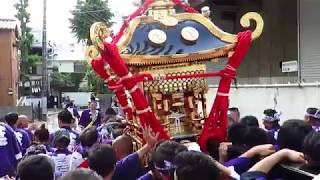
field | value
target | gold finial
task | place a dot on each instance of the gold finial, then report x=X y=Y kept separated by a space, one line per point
x=160 y=9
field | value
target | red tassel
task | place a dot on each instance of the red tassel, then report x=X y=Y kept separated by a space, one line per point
x=216 y=124
x=98 y=67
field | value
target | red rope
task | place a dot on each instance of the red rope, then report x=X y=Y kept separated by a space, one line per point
x=186 y=7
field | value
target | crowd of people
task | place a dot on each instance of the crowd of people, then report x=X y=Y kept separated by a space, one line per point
x=91 y=147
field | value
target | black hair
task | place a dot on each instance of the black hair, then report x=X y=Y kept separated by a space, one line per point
x=65 y=117
x=110 y=111
x=81 y=174
x=102 y=159
x=92 y=98
x=311 y=146
x=61 y=139
x=292 y=133
x=89 y=136
x=243 y=138
x=195 y=165
x=251 y=121
x=312 y=110
x=166 y=151
x=62 y=143
x=234 y=109
x=235 y=151
x=231 y=120
x=11 y=118
x=254 y=136
x=213 y=148
x=310 y=149
x=270 y=112
x=35 y=149
x=117 y=132
x=236 y=133
x=69 y=105
x=36 y=167
x=42 y=134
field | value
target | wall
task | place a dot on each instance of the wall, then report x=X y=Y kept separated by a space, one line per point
x=8 y=68
x=309 y=40
x=291 y=101
x=277 y=43
x=26 y=110
x=66 y=67
x=15 y=68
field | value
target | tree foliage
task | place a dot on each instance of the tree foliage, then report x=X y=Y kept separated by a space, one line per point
x=85 y=14
x=26 y=38
x=66 y=81
x=33 y=59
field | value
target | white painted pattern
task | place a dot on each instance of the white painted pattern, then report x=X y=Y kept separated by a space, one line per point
x=3 y=139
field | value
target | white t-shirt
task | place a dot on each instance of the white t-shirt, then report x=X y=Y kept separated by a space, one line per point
x=66 y=162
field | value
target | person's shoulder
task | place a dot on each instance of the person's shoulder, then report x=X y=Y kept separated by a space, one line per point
x=6 y=128
x=4 y=125
x=147 y=176
x=22 y=131
x=72 y=131
x=134 y=157
x=85 y=111
x=75 y=132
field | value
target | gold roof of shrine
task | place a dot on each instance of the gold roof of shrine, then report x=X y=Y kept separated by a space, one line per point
x=164 y=37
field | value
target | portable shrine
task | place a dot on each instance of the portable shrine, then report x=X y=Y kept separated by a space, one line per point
x=159 y=58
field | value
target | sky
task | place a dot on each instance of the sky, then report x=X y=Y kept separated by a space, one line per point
x=58 y=13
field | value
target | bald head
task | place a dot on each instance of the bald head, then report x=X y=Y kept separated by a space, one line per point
x=123 y=146
x=23 y=121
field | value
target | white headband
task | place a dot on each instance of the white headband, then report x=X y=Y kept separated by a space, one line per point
x=315 y=115
x=276 y=117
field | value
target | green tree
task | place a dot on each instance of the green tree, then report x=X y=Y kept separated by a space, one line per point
x=85 y=14
x=66 y=81
x=26 y=40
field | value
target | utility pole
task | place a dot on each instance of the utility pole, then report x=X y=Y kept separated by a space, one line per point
x=44 y=92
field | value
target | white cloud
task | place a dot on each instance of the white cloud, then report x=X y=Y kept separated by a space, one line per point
x=7 y=9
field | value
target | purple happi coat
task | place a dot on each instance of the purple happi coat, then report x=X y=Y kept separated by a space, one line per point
x=10 y=150
x=86 y=118
x=23 y=139
x=316 y=128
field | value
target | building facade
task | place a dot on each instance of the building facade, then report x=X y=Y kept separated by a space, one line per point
x=9 y=64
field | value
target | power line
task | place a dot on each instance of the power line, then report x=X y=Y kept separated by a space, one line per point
x=84 y=12
x=94 y=14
